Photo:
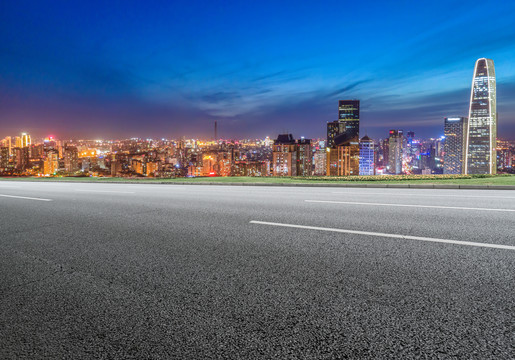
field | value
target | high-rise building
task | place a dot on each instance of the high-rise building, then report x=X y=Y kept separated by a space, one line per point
x=343 y=160
x=482 y=125
x=71 y=159
x=292 y=157
x=21 y=158
x=347 y=123
x=8 y=144
x=51 y=163
x=395 y=151
x=343 y=140
x=25 y=140
x=505 y=154
x=366 y=156
x=320 y=159
x=455 y=130
x=4 y=158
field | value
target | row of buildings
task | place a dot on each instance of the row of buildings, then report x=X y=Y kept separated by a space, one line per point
x=469 y=146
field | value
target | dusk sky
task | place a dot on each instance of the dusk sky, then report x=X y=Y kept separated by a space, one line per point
x=117 y=69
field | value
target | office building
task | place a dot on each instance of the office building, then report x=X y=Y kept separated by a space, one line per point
x=51 y=163
x=292 y=157
x=455 y=130
x=71 y=159
x=347 y=123
x=395 y=151
x=482 y=125
x=366 y=156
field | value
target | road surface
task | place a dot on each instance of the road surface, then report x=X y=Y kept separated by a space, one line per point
x=178 y=271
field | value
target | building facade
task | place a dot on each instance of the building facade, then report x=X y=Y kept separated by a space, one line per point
x=395 y=151
x=455 y=130
x=366 y=156
x=482 y=125
x=292 y=157
x=347 y=123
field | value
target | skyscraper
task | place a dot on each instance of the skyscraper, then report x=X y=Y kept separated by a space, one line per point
x=455 y=130
x=347 y=123
x=71 y=159
x=396 y=145
x=366 y=156
x=482 y=125
x=25 y=140
x=292 y=157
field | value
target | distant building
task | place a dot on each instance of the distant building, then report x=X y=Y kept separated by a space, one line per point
x=347 y=123
x=21 y=158
x=395 y=151
x=292 y=157
x=343 y=160
x=71 y=159
x=25 y=140
x=482 y=125
x=455 y=130
x=320 y=160
x=366 y=156
x=505 y=155
x=51 y=163
x=4 y=158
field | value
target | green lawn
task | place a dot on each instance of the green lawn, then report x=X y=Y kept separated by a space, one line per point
x=494 y=180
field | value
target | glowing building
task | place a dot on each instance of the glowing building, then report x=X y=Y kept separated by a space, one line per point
x=292 y=157
x=482 y=125
x=396 y=146
x=455 y=130
x=347 y=123
x=366 y=156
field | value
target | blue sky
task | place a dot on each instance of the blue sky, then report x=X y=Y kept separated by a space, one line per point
x=119 y=69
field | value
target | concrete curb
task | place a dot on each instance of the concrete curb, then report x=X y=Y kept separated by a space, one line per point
x=346 y=185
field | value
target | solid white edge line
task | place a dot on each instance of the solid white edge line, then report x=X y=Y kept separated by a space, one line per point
x=24 y=197
x=407 y=205
x=396 y=236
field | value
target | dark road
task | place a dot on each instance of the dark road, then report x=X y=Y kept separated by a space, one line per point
x=195 y=272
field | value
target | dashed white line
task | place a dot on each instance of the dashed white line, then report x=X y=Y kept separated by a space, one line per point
x=407 y=205
x=396 y=236
x=24 y=197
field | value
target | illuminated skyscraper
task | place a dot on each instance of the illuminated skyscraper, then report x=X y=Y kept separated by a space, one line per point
x=71 y=159
x=25 y=140
x=455 y=130
x=292 y=157
x=366 y=156
x=396 y=147
x=51 y=164
x=347 y=123
x=482 y=125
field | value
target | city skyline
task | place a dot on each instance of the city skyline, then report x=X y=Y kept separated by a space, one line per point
x=156 y=74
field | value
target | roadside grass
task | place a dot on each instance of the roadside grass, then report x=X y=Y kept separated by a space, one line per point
x=409 y=179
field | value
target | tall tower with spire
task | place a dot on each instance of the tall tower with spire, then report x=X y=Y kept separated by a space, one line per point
x=481 y=157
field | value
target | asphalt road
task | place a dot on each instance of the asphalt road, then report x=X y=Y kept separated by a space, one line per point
x=197 y=272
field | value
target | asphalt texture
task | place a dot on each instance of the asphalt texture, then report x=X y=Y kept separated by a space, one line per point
x=121 y=271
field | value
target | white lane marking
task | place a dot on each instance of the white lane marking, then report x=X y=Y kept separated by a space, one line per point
x=407 y=205
x=108 y=191
x=396 y=236
x=24 y=197
x=416 y=195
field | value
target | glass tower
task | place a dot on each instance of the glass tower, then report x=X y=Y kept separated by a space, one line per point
x=347 y=123
x=482 y=124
